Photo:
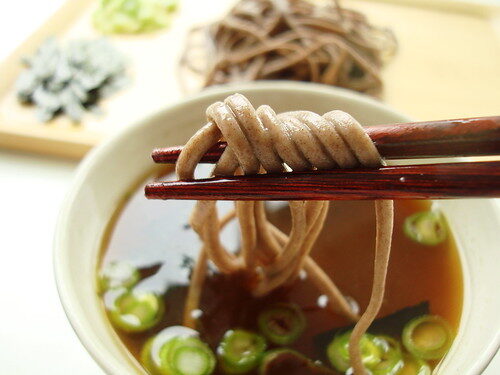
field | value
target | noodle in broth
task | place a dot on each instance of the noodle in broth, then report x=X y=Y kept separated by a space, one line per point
x=259 y=139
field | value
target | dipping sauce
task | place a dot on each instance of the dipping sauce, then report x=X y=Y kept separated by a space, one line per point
x=155 y=237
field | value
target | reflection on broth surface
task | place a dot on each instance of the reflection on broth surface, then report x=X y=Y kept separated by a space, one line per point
x=154 y=237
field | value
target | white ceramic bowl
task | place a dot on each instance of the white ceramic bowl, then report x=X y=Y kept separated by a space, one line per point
x=108 y=173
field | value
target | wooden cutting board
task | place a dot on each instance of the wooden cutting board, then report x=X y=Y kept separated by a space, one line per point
x=447 y=66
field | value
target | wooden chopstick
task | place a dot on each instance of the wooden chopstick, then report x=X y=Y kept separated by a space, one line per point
x=427 y=181
x=460 y=137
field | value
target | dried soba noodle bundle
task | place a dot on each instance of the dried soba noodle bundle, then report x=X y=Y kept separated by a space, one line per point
x=260 y=140
x=316 y=41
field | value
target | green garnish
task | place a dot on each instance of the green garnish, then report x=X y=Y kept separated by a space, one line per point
x=281 y=361
x=240 y=351
x=427 y=228
x=180 y=355
x=177 y=350
x=392 y=358
x=133 y=16
x=146 y=358
x=380 y=354
x=427 y=337
x=136 y=311
x=118 y=275
x=186 y=356
x=415 y=366
x=392 y=325
x=282 y=323
x=338 y=351
x=388 y=342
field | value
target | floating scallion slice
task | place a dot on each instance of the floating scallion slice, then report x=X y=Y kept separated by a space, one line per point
x=338 y=351
x=136 y=311
x=192 y=360
x=427 y=228
x=427 y=337
x=118 y=275
x=240 y=351
x=391 y=361
x=281 y=361
x=415 y=366
x=186 y=356
x=387 y=342
x=282 y=323
x=271 y=356
x=146 y=359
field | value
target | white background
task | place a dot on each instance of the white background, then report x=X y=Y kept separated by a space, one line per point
x=35 y=336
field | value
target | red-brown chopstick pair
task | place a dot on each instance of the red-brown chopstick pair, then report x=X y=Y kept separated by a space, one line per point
x=446 y=138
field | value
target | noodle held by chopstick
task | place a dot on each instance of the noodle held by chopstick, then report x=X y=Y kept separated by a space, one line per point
x=259 y=139
x=316 y=41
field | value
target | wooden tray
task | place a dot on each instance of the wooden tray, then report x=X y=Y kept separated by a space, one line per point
x=448 y=65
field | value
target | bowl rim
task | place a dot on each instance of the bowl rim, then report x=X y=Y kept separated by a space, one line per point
x=96 y=154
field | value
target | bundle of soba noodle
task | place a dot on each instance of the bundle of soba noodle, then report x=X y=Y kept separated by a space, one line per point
x=259 y=141
x=306 y=40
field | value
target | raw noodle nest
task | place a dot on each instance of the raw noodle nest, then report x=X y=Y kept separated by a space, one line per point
x=305 y=40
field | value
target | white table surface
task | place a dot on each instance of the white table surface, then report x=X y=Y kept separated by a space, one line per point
x=35 y=336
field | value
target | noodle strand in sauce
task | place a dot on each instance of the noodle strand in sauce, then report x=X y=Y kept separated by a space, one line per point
x=260 y=140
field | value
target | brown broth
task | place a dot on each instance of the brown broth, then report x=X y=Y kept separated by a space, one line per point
x=155 y=237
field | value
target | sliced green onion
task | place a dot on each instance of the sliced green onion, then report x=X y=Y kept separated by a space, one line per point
x=133 y=16
x=427 y=228
x=186 y=356
x=271 y=357
x=284 y=360
x=192 y=360
x=387 y=342
x=118 y=275
x=338 y=351
x=415 y=366
x=392 y=358
x=282 y=323
x=160 y=351
x=136 y=311
x=146 y=358
x=240 y=351
x=427 y=337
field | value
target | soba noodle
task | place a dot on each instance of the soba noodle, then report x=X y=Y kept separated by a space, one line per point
x=259 y=140
x=316 y=41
